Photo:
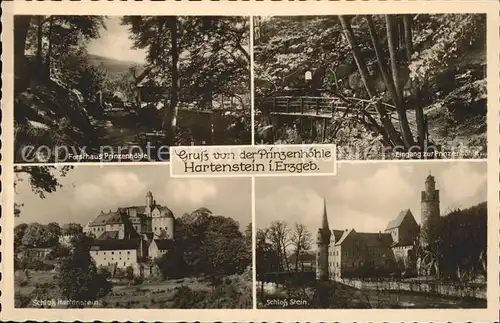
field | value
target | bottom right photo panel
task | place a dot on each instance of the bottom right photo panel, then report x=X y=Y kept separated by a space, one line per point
x=375 y=235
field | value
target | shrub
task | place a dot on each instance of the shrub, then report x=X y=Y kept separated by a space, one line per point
x=185 y=297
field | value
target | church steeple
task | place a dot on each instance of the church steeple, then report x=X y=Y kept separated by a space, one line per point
x=323 y=242
x=325 y=225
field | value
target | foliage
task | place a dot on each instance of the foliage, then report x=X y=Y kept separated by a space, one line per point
x=79 y=278
x=204 y=62
x=33 y=264
x=72 y=228
x=458 y=250
x=19 y=231
x=451 y=35
x=54 y=82
x=39 y=236
x=265 y=254
x=207 y=245
x=348 y=61
x=213 y=54
x=233 y=292
x=60 y=251
x=42 y=179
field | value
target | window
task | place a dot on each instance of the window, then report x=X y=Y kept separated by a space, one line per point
x=112 y=252
x=120 y=252
x=124 y=263
x=104 y=252
x=128 y=252
x=96 y=252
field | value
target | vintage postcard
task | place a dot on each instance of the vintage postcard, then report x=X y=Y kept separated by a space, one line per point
x=250 y=161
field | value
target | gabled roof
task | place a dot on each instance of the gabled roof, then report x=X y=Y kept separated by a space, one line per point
x=337 y=234
x=399 y=219
x=346 y=233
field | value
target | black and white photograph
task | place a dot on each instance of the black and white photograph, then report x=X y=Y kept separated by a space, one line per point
x=409 y=86
x=125 y=88
x=130 y=236
x=377 y=235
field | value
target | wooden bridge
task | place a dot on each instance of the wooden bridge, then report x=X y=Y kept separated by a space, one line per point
x=311 y=109
x=307 y=106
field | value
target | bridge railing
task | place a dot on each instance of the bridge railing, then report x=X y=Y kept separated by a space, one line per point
x=303 y=105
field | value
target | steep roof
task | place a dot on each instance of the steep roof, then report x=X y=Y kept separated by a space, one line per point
x=116 y=218
x=164 y=244
x=140 y=209
x=101 y=219
x=337 y=234
x=324 y=224
x=115 y=244
x=376 y=239
x=399 y=219
x=165 y=211
x=108 y=235
x=346 y=233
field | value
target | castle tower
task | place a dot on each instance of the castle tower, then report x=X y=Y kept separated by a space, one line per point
x=323 y=242
x=149 y=203
x=149 y=199
x=429 y=211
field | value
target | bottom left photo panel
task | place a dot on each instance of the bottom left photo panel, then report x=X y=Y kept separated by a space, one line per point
x=130 y=236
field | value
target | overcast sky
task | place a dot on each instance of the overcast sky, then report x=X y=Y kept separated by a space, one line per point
x=89 y=189
x=366 y=197
x=114 y=42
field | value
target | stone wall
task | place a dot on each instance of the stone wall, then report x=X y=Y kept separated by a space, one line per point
x=432 y=287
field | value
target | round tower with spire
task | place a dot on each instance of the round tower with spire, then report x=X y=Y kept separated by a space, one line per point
x=149 y=203
x=429 y=210
x=323 y=242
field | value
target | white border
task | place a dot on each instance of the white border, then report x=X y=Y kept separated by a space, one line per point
x=245 y=9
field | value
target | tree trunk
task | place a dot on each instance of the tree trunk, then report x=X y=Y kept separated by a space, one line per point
x=419 y=112
x=49 y=51
x=21 y=26
x=403 y=120
x=389 y=84
x=297 y=260
x=365 y=76
x=171 y=111
x=39 y=60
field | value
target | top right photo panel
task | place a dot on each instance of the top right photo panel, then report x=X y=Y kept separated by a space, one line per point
x=405 y=86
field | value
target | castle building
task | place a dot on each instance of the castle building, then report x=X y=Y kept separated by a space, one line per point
x=348 y=253
x=131 y=234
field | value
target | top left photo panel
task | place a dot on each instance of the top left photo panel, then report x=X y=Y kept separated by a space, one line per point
x=126 y=88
